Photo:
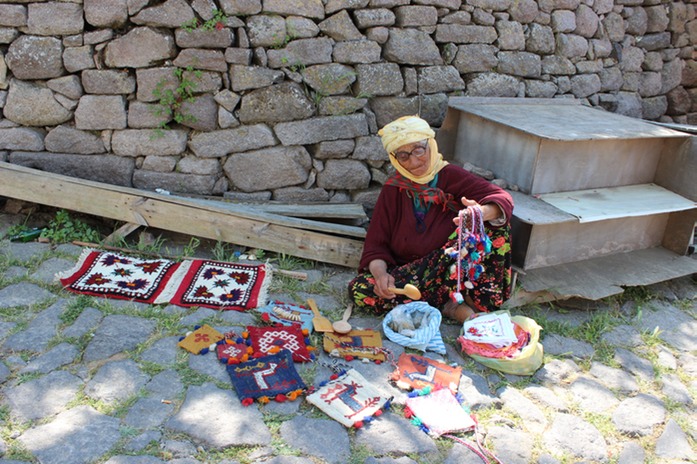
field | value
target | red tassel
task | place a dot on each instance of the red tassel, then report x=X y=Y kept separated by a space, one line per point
x=358 y=424
x=348 y=358
x=333 y=377
x=281 y=398
x=247 y=401
x=265 y=317
x=378 y=413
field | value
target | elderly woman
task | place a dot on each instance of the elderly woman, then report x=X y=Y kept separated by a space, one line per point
x=412 y=230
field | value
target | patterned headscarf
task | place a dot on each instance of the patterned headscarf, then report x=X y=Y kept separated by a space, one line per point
x=406 y=130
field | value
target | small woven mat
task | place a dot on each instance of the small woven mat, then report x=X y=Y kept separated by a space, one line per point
x=357 y=343
x=417 y=372
x=271 y=377
x=440 y=412
x=349 y=399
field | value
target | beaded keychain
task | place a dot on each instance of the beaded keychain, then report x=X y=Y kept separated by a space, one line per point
x=472 y=245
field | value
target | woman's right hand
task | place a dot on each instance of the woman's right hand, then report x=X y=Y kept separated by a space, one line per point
x=383 y=279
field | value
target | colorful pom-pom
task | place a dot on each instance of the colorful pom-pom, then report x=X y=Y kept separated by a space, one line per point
x=358 y=424
x=281 y=398
x=247 y=401
x=266 y=317
x=263 y=399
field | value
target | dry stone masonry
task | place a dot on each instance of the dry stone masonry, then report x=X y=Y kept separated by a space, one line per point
x=282 y=99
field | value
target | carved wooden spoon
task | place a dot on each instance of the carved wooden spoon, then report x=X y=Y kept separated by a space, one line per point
x=409 y=290
x=343 y=326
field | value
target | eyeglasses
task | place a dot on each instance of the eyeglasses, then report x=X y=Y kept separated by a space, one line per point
x=418 y=151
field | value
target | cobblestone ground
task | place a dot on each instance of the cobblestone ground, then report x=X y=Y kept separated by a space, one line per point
x=83 y=380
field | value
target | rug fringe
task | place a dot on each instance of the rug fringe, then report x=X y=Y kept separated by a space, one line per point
x=80 y=262
x=262 y=299
x=174 y=282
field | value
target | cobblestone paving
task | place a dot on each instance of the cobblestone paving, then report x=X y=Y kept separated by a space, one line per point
x=83 y=380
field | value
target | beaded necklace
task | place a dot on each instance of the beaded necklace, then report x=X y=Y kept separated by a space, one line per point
x=472 y=246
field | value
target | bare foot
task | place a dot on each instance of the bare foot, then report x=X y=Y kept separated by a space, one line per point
x=459 y=313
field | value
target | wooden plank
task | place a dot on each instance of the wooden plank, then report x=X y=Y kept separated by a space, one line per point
x=175 y=214
x=532 y=210
x=559 y=120
x=618 y=202
x=605 y=276
x=297 y=223
x=121 y=232
x=310 y=210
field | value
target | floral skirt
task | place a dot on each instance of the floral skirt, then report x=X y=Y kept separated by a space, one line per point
x=436 y=277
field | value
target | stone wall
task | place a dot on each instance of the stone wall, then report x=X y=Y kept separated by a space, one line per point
x=282 y=99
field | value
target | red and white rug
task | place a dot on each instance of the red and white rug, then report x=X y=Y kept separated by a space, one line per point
x=204 y=283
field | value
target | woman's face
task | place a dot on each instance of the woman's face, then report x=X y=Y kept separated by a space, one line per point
x=414 y=157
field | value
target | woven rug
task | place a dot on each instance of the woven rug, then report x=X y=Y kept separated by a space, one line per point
x=210 y=284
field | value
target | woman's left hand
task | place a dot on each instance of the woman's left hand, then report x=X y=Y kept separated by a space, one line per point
x=490 y=211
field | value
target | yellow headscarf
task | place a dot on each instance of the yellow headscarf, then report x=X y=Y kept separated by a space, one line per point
x=406 y=130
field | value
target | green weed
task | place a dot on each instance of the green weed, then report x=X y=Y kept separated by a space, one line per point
x=65 y=229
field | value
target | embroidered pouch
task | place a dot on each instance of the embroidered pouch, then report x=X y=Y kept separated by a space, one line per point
x=267 y=378
x=438 y=412
x=355 y=344
x=349 y=399
x=270 y=340
x=287 y=314
x=417 y=372
x=201 y=340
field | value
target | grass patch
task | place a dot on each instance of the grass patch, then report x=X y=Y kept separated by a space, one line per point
x=74 y=308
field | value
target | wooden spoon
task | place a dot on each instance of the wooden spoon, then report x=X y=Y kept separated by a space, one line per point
x=409 y=290
x=343 y=326
x=321 y=323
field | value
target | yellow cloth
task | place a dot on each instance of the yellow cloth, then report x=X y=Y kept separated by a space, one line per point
x=406 y=130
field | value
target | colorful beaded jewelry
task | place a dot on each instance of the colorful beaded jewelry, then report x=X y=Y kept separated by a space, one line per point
x=473 y=244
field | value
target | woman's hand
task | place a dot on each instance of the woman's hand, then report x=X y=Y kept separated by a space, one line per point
x=383 y=279
x=490 y=211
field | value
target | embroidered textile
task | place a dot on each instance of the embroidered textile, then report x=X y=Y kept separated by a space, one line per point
x=220 y=285
x=349 y=399
x=287 y=314
x=233 y=351
x=270 y=340
x=117 y=276
x=357 y=343
x=209 y=284
x=266 y=378
x=440 y=412
x=200 y=340
x=417 y=372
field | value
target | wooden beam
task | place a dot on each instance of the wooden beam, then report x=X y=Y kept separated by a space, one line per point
x=266 y=231
x=120 y=233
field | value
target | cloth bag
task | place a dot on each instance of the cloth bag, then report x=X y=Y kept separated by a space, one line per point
x=425 y=335
x=526 y=361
